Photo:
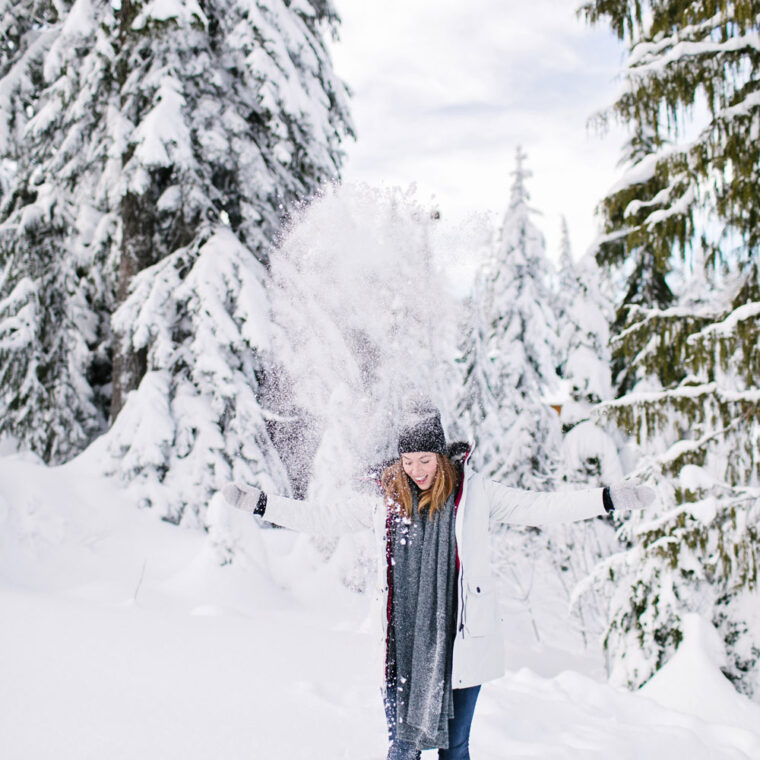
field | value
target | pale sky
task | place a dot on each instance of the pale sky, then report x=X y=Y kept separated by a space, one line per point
x=444 y=92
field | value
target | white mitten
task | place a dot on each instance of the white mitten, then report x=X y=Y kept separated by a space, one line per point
x=625 y=496
x=246 y=498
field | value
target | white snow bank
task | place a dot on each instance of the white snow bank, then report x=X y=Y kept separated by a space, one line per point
x=123 y=637
x=572 y=717
x=693 y=683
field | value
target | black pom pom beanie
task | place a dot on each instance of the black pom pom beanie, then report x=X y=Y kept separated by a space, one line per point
x=421 y=429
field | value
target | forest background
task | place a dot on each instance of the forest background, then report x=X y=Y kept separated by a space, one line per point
x=189 y=296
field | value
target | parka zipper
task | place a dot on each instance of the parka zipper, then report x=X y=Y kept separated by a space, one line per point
x=460 y=627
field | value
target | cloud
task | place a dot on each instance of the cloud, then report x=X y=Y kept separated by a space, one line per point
x=445 y=91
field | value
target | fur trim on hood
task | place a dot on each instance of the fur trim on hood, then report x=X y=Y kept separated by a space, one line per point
x=458 y=451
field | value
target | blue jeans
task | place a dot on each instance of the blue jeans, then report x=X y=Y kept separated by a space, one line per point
x=459 y=728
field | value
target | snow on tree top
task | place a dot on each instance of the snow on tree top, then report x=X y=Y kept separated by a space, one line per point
x=185 y=12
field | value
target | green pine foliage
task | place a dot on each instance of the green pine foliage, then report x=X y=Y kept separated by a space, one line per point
x=694 y=413
x=686 y=57
x=685 y=359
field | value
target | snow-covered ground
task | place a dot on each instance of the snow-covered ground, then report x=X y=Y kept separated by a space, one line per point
x=124 y=637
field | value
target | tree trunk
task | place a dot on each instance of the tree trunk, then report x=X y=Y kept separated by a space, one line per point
x=138 y=224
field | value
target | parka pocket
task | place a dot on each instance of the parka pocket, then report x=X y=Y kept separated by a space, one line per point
x=480 y=617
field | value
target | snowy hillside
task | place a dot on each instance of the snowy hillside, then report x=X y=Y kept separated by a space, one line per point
x=125 y=637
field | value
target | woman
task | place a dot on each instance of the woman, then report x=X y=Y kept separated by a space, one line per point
x=440 y=622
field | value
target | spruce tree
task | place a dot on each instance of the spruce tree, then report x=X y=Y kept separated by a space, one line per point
x=149 y=141
x=478 y=400
x=684 y=58
x=56 y=232
x=685 y=355
x=589 y=453
x=697 y=436
x=584 y=304
x=510 y=352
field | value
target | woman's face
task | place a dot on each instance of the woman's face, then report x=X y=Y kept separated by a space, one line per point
x=420 y=466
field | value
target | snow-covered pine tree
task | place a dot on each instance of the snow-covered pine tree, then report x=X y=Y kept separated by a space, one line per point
x=56 y=233
x=645 y=261
x=698 y=438
x=478 y=400
x=584 y=309
x=509 y=359
x=694 y=60
x=589 y=453
x=687 y=361
x=510 y=353
x=156 y=147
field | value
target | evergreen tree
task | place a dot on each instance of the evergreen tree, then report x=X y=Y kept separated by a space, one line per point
x=682 y=57
x=583 y=315
x=56 y=236
x=510 y=354
x=685 y=357
x=478 y=400
x=697 y=435
x=589 y=453
x=148 y=141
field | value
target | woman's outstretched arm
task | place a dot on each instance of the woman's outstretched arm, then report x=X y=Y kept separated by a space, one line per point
x=342 y=515
x=514 y=505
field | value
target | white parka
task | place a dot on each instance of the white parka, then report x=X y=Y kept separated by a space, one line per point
x=478 y=647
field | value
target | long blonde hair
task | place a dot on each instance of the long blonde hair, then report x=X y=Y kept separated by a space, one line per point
x=397 y=488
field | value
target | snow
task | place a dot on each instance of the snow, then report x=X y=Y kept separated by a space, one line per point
x=162 y=137
x=693 y=683
x=362 y=317
x=587 y=441
x=17 y=330
x=742 y=109
x=639 y=173
x=647 y=60
x=16 y=77
x=679 y=206
x=125 y=637
x=186 y=13
x=76 y=26
x=169 y=444
x=693 y=477
x=751 y=395
x=728 y=326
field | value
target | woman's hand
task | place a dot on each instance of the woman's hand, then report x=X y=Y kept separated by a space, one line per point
x=248 y=499
x=625 y=496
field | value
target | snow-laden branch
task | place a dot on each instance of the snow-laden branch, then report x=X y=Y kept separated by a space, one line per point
x=679 y=208
x=740 y=109
x=647 y=48
x=728 y=326
x=654 y=61
x=674 y=313
x=691 y=392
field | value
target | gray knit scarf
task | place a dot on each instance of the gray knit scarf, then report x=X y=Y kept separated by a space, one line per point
x=423 y=618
